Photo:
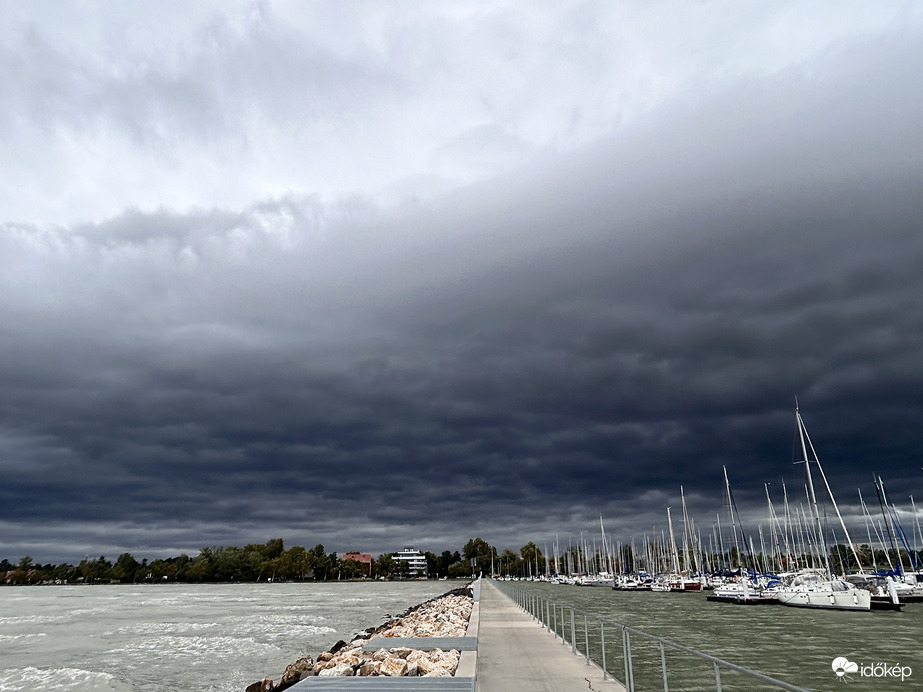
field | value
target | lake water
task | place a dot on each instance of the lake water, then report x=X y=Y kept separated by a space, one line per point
x=796 y=645
x=209 y=637
x=223 y=637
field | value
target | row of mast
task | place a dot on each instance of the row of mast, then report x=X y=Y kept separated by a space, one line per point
x=796 y=540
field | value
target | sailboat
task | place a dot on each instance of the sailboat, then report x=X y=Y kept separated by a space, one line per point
x=739 y=588
x=814 y=587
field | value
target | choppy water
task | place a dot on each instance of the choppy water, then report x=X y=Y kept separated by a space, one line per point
x=216 y=638
x=796 y=645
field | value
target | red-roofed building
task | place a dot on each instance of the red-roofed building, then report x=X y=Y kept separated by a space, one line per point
x=364 y=560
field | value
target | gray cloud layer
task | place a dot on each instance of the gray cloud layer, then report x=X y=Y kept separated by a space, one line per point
x=512 y=359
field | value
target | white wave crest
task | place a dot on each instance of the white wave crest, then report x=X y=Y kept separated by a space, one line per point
x=59 y=680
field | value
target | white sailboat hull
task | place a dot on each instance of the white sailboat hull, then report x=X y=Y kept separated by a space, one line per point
x=849 y=599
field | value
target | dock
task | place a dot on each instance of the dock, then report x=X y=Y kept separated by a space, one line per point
x=504 y=650
x=516 y=653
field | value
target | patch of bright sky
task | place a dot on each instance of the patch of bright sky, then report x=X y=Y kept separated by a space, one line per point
x=114 y=105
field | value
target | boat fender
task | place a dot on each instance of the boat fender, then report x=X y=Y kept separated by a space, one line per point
x=892 y=589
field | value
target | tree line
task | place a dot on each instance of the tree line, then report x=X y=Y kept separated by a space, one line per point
x=269 y=561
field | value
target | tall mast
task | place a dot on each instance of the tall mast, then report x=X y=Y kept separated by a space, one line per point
x=610 y=568
x=727 y=485
x=868 y=530
x=820 y=468
x=687 y=531
x=809 y=538
x=916 y=519
x=815 y=513
x=789 y=526
x=883 y=502
x=899 y=530
x=673 y=544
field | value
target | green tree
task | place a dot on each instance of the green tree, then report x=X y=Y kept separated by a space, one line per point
x=297 y=563
x=233 y=564
x=169 y=569
x=533 y=559
x=24 y=572
x=125 y=568
x=95 y=570
x=324 y=565
x=446 y=560
x=383 y=566
x=460 y=569
x=350 y=569
x=202 y=568
x=508 y=563
x=274 y=548
x=482 y=551
x=64 y=572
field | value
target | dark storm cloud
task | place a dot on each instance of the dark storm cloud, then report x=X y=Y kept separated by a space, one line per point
x=511 y=361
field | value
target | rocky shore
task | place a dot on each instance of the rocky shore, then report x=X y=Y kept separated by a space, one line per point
x=368 y=654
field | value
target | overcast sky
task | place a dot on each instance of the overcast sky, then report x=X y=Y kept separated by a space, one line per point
x=372 y=274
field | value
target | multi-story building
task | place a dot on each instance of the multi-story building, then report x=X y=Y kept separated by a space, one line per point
x=414 y=560
x=364 y=560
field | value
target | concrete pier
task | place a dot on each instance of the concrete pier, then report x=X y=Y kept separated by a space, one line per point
x=504 y=650
x=515 y=653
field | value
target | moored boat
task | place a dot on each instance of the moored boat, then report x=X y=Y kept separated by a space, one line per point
x=812 y=587
x=815 y=589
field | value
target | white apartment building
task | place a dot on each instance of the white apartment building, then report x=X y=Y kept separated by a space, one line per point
x=415 y=560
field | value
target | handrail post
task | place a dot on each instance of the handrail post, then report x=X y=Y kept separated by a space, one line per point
x=586 y=638
x=602 y=643
x=717 y=677
x=563 y=625
x=573 y=633
x=625 y=657
x=663 y=667
x=630 y=683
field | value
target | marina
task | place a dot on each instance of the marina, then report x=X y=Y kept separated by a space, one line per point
x=799 y=561
x=794 y=645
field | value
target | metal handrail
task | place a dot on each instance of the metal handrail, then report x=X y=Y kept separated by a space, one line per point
x=541 y=608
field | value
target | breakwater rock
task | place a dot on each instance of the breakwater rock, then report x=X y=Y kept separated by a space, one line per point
x=368 y=654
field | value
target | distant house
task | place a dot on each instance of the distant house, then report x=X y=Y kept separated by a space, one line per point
x=414 y=560
x=364 y=560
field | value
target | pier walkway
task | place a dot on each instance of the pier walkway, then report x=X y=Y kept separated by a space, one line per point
x=517 y=654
